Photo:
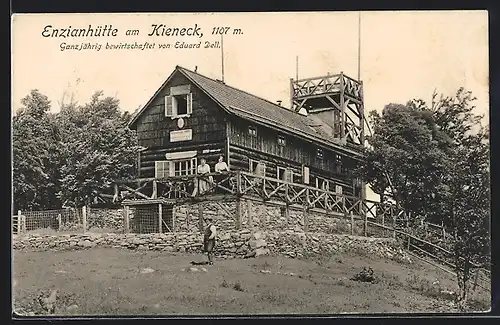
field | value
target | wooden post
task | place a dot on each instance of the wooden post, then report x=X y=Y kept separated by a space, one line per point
x=352 y=223
x=249 y=214
x=306 y=219
x=126 y=219
x=342 y=108
x=19 y=221
x=84 y=218
x=394 y=227
x=285 y=213
x=116 y=194
x=383 y=225
x=365 y=224
x=59 y=222
x=238 y=213
x=173 y=219
x=238 y=182
x=160 y=218
x=23 y=224
x=200 y=217
x=154 y=195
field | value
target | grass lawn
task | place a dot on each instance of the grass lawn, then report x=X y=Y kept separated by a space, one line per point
x=107 y=281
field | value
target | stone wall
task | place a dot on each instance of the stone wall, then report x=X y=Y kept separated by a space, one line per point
x=262 y=217
x=230 y=244
x=267 y=218
x=108 y=219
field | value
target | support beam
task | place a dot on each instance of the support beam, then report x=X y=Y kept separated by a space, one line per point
x=305 y=215
x=200 y=217
x=342 y=107
x=84 y=218
x=249 y=214
x=126 y=219
x=238 y=213
x=160 y=218
x=154 y=195
x=362 y=115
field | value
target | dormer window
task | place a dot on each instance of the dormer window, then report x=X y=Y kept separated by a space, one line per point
x=319 y=153
x=252 y=131
x=281 y=140
x=179 y=103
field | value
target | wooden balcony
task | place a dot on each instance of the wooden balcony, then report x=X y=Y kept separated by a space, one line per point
x=237 y=185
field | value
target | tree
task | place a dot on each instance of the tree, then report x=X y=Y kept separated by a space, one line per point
x=34 y=146
x=437 y=159
x=99 y=148
x=406 y=148
x=70 y=156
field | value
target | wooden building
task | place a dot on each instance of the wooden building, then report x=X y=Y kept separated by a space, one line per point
x=192 y=116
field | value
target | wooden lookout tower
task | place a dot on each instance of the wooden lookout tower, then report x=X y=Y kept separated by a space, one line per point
x=336 y=102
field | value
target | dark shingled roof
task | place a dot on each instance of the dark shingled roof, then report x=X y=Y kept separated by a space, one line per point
x=252 y=107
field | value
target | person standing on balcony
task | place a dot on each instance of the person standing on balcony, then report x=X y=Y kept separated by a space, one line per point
x=209 y=239
x=203 y=184
x=220 y=167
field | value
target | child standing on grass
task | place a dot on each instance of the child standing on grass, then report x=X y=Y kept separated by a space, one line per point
x=209 y=239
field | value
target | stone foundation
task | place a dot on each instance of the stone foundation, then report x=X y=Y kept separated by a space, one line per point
x=242 y=243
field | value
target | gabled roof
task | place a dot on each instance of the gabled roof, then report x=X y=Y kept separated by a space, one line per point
x=254 y=108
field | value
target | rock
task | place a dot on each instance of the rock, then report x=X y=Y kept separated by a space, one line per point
x=204 y=269
x=261 y=252
x=245 y=236
x=147 y=270
x=265 y=271
x=72 y=308
x=192 y=269
x=250 y=254
x=258 y=235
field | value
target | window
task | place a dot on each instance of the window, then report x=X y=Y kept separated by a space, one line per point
x=322 y=183
x=257 y=167
x=281 y=140
x=338 y=189
x=252 y=131
x=179 y=105
x=338 y=163
x=162 y=169
x=319 y=153
x=183 y=167
x=175 y=168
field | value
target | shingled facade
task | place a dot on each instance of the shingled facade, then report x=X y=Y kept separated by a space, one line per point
x=192 y=116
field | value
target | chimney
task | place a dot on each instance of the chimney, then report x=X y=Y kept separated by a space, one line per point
x=195 y=68
x=279 y=102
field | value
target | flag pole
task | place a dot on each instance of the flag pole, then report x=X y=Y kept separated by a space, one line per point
x=222 y=54
x=359 y=46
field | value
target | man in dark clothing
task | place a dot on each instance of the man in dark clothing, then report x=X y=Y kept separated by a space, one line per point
x=209 y=239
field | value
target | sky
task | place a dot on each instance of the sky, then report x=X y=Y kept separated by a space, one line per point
x=404 y=55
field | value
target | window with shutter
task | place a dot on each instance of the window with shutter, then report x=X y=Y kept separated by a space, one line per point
x=305 y=173
x=190 y=104
x=169 y=106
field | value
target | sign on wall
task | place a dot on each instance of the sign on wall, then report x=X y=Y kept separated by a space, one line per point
x=181 y=135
